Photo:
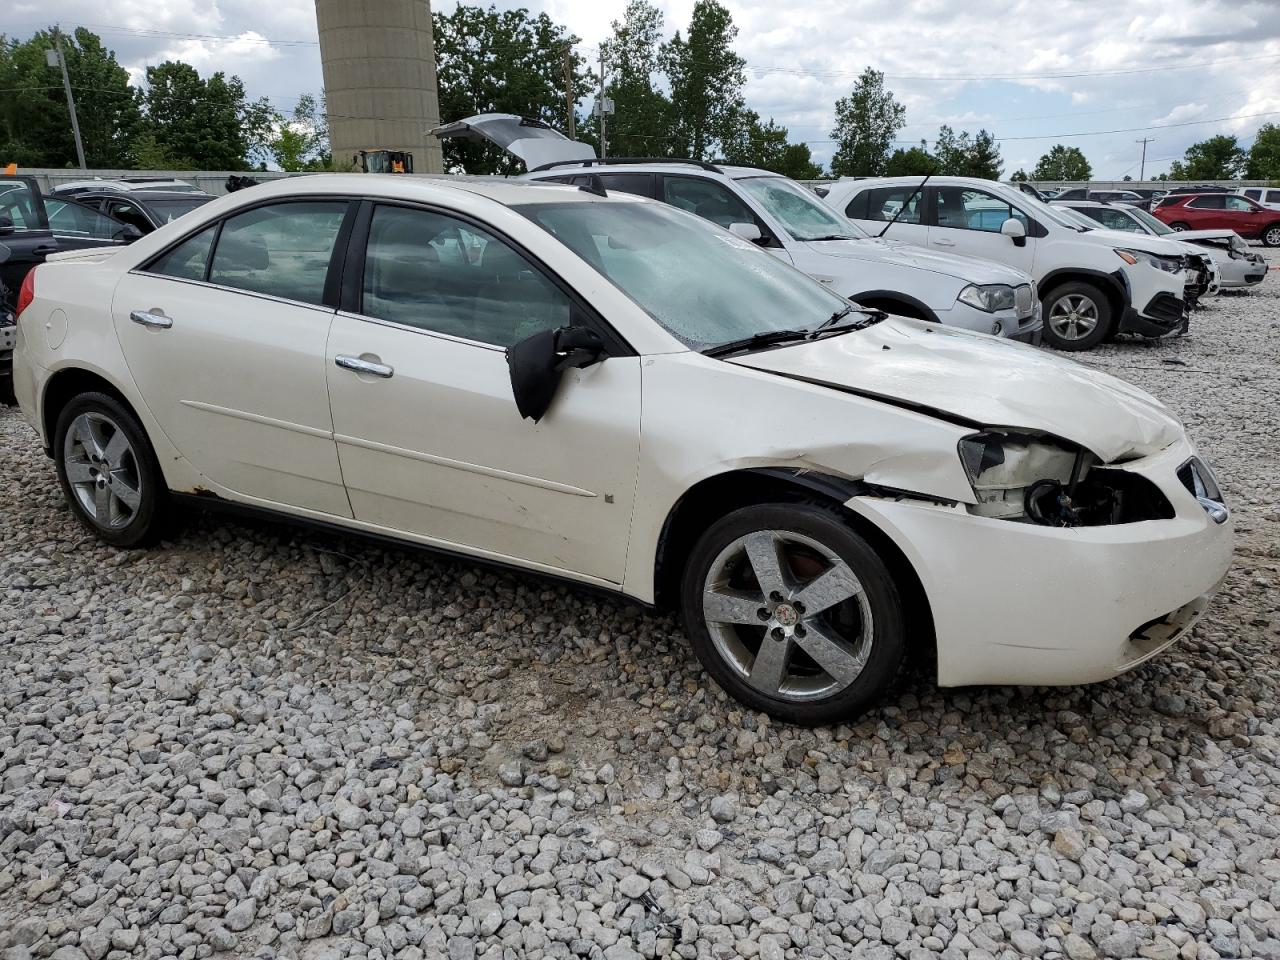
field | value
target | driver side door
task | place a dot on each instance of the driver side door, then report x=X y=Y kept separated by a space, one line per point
x=967 y=221
x=429 y=438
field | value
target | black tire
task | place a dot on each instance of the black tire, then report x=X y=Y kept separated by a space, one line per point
x=136 y=469
x=1073 y=291
x=816 y=695
x=1270 y=235
x=1179 y=226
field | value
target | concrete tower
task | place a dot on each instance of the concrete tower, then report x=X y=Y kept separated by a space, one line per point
x=379 y=64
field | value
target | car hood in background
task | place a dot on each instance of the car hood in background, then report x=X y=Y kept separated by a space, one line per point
x=1161 y=246
x=969 y=269
x=1218 y=234
x=983 y=380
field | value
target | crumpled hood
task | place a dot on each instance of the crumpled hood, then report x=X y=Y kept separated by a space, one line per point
x=985 y=380
x=969 y=269
x=1218 y=234
x=1163 y=246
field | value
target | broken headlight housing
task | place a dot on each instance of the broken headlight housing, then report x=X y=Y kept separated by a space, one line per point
x=1037 y=478
x=1167 y=264
x=1005 y=466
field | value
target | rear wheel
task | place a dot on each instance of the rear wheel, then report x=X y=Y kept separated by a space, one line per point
x=108 y=471
x=1271 y=235
x=793 y=613
x=1077 y=316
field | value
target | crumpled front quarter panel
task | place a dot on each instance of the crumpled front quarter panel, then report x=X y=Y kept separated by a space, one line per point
x=704 y=417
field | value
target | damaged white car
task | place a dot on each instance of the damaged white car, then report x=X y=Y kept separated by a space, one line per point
x=613 y=391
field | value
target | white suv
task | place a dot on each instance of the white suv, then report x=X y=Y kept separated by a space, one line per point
x=1093 y=283
x=1268 y=197
x=789 y=221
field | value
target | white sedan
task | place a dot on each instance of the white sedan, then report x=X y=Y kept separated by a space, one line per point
x=613 y=391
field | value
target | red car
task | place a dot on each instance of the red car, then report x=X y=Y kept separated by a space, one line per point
x=1220 y=211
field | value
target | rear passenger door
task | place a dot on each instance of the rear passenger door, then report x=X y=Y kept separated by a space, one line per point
x=225 y=333
x=428 y=433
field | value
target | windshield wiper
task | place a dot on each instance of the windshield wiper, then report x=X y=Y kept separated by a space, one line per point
x=769 y=338
x=755 y=341
x=829 y=236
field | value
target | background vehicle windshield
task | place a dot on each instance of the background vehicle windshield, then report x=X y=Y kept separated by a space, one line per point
x=1031 y=206
x=1074 y=218
x=166 y=210
x=1148 y=220
x=801 y=212
x=701 y=283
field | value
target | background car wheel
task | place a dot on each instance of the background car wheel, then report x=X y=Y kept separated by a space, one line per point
x=793 y=613
x=1179 y=227
x=108 y=471
x=1271 y=236
x=1076 y=316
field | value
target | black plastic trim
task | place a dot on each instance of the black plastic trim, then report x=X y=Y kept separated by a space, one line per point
x=612 y=161
x=928 y=411
x=897 y=295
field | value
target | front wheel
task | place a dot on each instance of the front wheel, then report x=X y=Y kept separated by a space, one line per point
x=1271 y=236
x=108 y=471
x=1179 y=227
x=792 y=613
x=1076 y=316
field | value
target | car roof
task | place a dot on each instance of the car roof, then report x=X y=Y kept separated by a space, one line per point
x=149 y=194
x=411 y=186
x=732 y=171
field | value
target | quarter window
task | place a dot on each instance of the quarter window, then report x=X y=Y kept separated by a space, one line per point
x=965 y=209
x=189 y=260
x=282 y=250
x=433 y=272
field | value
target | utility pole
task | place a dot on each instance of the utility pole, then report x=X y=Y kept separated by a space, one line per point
x=568 y=88
x=601 y=104
x=1142 y=170
x=56 y=58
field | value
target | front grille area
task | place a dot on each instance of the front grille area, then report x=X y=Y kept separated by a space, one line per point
x=1165 y=308
x=1024 y=300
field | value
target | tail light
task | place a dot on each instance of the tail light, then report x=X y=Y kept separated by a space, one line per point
x=27 y=292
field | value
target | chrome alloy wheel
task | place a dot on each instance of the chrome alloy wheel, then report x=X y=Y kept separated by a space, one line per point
x=788 y=615
x=1073 y=317
x=102 y=470
x=1272 y=237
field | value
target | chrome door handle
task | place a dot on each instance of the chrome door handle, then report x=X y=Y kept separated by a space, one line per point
x=945 y=243
x=364 y=366
x=156 y=321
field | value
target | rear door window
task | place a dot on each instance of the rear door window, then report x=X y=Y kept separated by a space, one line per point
x=20 y=204
x=641 y=184
x=1208 y=201
x=884 y=203
x=282 y=249
x=189 y=260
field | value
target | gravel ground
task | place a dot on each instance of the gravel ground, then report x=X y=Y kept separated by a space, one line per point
x=257 y=742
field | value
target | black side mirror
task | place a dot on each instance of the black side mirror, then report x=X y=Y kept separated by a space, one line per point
x=6 y=226
x=538 y=363
x=127 y=234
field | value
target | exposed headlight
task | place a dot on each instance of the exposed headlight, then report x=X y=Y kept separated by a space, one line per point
x=989 y=297
x=1167 y=264
x=1004 y=467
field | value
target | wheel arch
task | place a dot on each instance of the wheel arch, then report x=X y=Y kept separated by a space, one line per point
x=718 y=495
x=1112 y=285
x=884 y=299
x=65 y=385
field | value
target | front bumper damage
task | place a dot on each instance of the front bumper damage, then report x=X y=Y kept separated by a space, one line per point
x=1164 y=315
x=1021 y=603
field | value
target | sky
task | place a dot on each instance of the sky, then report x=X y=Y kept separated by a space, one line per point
x=1090 y=73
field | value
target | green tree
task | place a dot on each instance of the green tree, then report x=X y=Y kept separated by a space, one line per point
x=1264 y=155
x=867 y=120
x=1019 y=176
x=706 y=79
x=1062 y=163
x=202 y=124
x=912 y=162
x=951 y=151
x=765 y=145
x=983 y=157
x=1218 y=158
x=302 y=142
x=35 y=126
x=642 y=113
x=492 y=61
